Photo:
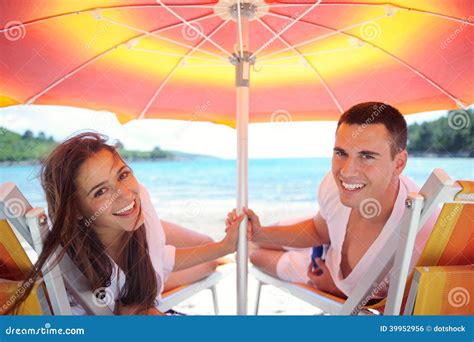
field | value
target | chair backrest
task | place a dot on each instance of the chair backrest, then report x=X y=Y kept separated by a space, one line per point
x=452 y=239
x=30 y=226
x=14 y=267
x=446 y=257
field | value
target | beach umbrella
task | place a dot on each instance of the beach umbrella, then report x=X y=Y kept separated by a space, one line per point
x=237 y=61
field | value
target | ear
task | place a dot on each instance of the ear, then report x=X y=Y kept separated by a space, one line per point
x=401 y=159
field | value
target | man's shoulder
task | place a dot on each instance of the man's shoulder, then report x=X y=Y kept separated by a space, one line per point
x=328 y=195
x=328 y=183
x=409 y=184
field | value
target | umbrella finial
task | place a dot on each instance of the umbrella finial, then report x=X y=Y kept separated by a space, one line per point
x=251 y=9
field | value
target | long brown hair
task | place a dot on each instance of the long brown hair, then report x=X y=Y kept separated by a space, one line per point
x=78 y=239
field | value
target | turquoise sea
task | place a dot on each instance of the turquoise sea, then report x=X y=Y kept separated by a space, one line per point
x=288 y=180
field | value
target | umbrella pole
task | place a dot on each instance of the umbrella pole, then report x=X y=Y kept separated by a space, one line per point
x=242 y=118
x=242 y=197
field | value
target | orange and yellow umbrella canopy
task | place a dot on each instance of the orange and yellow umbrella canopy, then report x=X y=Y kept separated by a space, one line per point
x=307 y=59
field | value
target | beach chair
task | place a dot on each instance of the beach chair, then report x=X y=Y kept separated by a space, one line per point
x=439 y=188
x=444 y=271
x=23 y=230
x=177 y=295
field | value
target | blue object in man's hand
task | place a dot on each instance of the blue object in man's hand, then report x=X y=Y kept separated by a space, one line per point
x=317 y=253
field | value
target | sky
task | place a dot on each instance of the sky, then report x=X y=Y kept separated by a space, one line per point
x=266 y=140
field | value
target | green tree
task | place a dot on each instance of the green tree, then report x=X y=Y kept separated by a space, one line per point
x=28 y=134
x=452 y=135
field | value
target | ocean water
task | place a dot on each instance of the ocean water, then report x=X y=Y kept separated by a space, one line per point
x=198 y=193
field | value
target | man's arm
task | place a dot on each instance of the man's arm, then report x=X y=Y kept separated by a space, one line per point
x=307 y=233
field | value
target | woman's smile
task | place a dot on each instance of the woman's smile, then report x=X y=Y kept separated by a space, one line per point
x=128 y=210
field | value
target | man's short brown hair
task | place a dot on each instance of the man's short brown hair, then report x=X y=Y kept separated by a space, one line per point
x=369 y=113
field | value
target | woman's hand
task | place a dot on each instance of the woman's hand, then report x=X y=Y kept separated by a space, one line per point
x=232 y=230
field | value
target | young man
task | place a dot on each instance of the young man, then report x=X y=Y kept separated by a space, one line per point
x=360 y=202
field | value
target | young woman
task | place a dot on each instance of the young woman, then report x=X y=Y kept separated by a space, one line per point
x=103 y=218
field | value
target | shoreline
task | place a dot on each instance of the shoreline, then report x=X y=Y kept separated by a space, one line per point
x=33 y=162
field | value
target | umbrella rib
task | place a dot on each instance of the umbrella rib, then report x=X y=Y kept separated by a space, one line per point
x=209 y=5
x=164 y=38
x=307 y=62
x=332 y=33
x=399 y=60
x=171 y=73
x=194 y=29
x=343 y=3
x=91 y=60
x=286 y=28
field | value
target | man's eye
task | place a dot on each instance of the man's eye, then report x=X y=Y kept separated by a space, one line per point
x=367 y=156
x=339 y=153
x=99 y=192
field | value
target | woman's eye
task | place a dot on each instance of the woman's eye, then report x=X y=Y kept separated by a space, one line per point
x=99 y=192
x=124 y=175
